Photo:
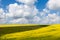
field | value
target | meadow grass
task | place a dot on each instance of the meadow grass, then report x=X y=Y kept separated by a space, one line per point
x=46 y=33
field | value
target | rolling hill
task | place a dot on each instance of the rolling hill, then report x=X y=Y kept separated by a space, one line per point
x=51 y=32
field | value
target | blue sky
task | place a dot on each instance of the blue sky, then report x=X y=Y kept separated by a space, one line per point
x=6 y=3
x=40 y=4
x=30 y=11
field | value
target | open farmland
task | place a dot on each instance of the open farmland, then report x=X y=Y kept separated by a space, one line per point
x=35 y=32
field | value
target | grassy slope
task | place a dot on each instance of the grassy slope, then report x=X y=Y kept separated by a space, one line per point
x=47 y=33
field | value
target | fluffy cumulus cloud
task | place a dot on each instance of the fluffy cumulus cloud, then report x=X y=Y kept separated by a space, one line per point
x=23 y=13
x=2 y=16
x=54 y=18
x=50 y=19
x=16 y=10
x=28 y=2
x=53 y=4
x=27 y=13
x=19 y=21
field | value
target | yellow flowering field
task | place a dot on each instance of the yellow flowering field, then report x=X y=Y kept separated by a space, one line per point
x=51 y=32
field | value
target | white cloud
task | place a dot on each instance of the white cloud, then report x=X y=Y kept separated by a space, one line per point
x=44 y=12
x=2 y=16
x=1 y=10
x=27 y=13
x=47 y=17
x=51 y=19
x=28 y=2
x=54 y=18
x=19 y=21
x=53 y=4
x=36 y=20
x=16 y=10
x=22 y=14
x=21 y=11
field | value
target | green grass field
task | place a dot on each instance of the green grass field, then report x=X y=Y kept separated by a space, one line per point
x=30 y=32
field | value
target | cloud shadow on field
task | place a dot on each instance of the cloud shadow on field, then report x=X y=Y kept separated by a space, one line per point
x=7 y=30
